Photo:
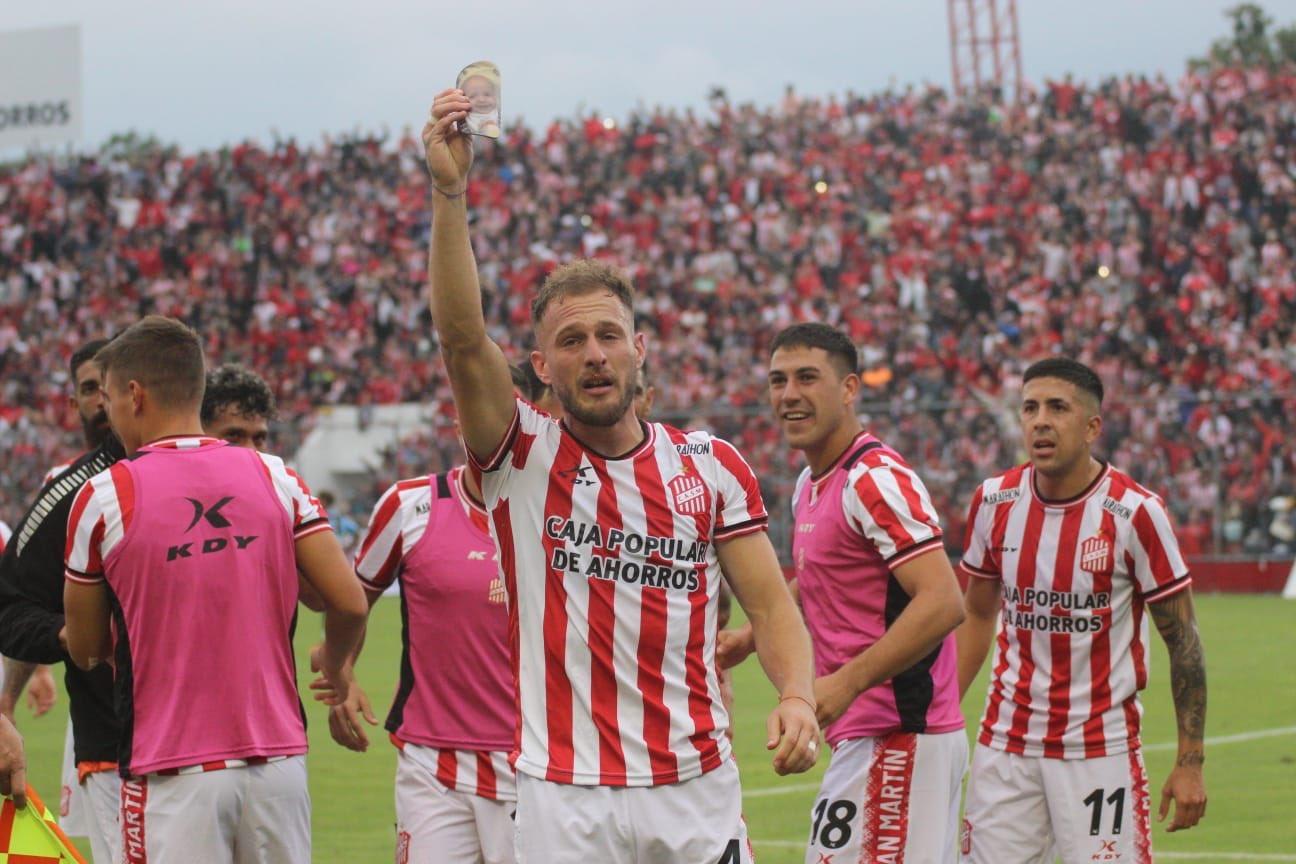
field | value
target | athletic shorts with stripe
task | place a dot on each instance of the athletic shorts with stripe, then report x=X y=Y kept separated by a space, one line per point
x=697 y=821
x=90 y=808
x=1029 y=809
x=890 y=798
x=255 y=814
x=436 y=823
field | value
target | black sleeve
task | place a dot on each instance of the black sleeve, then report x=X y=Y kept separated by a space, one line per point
x=29 y=622
x=31 y=571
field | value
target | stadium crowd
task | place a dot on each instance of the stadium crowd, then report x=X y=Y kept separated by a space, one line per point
x=1143 y=226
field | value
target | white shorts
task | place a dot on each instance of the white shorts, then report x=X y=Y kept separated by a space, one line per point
x=698 y=821
x=259 y=814
x=890 y=798
x=436 y=824
x=90 y=809
x=71 y=818
x=1028 y=809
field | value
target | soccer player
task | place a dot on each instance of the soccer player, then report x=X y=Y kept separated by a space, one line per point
x=881 y=602
x=182 y=569
x=1072 y=555
x=87 y=402
x=32 y=626
x=238 y=406
x=454 y=714
x=611 y=534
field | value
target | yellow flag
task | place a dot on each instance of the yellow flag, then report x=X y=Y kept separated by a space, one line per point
x=31 y=836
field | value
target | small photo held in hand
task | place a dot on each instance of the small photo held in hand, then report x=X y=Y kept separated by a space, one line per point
x=480 y=82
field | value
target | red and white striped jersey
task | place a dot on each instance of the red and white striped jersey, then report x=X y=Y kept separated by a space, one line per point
x=612 y=570
x=484 y=773
x=5 y=533
x=1072 y=653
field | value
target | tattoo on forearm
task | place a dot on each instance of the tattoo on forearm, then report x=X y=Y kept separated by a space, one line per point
x=1178 y=627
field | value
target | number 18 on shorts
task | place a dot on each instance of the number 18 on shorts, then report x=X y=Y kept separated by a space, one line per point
x=891 y=798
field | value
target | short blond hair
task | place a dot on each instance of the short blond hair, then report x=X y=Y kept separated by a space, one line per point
x=581 y=277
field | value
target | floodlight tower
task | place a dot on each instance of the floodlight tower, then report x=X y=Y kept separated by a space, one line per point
x=984 y=46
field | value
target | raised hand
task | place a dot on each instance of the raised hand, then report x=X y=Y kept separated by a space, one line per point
x=448 y=151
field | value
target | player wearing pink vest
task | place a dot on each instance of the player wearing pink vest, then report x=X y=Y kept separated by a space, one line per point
x=454 y=715
x=182 y=571
x=881 y=603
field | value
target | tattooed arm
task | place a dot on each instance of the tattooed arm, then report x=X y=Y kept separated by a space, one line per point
x=1177 y=624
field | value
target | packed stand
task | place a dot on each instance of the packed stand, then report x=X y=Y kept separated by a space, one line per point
x=1142 y=226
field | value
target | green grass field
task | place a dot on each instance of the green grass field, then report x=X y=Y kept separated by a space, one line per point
x=1251 y=654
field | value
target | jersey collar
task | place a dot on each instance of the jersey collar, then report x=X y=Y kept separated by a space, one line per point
x=1082 y=496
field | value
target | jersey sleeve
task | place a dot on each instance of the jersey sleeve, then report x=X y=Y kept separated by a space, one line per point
x=976 y=561
x=513 y=453
x=740 y=509
x=305 y=510
x=382 y=543
x=888 y=505
x=87 y=527
x=1159 y=567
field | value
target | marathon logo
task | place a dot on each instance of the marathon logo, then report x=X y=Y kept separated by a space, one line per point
x=694 y=449
x=1114 y=507
x=1001 y=496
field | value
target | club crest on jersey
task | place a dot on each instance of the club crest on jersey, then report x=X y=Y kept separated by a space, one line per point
x=1095 y=554
x=689 y=494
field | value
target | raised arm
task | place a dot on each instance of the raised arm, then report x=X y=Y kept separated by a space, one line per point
x=479 y=375
x=782 y=645
x=1177 y=623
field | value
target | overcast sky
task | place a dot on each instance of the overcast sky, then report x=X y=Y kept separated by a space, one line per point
x=204 y=73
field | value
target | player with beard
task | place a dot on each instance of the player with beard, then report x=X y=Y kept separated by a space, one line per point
x=87 y=402
x=31 y=621
x=622 y=753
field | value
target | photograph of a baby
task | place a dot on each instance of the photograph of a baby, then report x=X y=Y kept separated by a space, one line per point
x=480 y=82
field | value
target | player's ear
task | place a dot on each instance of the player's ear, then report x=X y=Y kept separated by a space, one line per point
x=641 y=348
x=1093 y=428
x=850 y=388
x=137 y=396
x=541 y=368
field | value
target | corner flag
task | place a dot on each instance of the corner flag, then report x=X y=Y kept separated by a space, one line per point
x=31 y=836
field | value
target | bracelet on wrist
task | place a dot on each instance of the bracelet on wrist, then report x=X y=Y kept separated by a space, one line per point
x=813 y=707
x=451 y=195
